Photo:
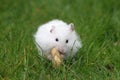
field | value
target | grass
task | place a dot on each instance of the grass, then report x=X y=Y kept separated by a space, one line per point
x=96 y=21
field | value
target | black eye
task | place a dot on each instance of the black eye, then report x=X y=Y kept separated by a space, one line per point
x=66 y=41
x=56 y=40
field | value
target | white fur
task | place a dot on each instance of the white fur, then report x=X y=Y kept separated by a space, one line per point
x=46 y=35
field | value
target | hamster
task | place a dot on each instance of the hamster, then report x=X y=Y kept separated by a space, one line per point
x=60 y=35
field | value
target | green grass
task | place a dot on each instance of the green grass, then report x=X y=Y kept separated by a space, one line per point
x=97 y=22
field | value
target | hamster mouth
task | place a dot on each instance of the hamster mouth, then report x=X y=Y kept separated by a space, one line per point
x=61 y=53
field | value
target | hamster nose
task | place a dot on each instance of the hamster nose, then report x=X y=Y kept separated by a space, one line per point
x=60 y=49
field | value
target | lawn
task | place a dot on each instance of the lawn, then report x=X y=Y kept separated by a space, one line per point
x=96 y=21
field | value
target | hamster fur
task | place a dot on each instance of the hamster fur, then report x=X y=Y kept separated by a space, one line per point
x=60 y=35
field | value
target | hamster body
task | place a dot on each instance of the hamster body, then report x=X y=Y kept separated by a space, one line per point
x=60 y=35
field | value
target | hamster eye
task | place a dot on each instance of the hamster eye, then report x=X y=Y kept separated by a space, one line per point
x=56 y=40
x=66 y=41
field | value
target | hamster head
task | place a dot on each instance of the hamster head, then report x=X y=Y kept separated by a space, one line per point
x=64 y=39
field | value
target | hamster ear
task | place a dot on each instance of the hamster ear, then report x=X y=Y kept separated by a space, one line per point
x=52 y=29
x=71 y=26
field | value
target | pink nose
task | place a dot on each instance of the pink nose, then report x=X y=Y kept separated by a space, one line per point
x=60 y=49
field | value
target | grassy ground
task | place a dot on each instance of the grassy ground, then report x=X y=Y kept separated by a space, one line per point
x=97 y=22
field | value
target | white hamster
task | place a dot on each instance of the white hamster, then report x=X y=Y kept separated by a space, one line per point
x=60 y=35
